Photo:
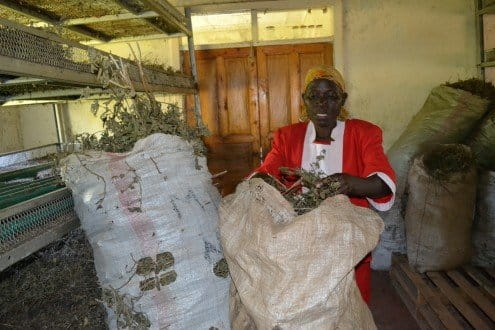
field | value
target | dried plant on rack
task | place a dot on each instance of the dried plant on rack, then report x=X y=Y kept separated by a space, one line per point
x=54 y=288
x=307 y=192
x=129 y=116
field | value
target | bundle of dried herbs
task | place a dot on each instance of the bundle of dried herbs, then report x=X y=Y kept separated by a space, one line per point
x=445 y=160
x=482 y=138
x=309 y=190
x=129 y=116
x=478 y=87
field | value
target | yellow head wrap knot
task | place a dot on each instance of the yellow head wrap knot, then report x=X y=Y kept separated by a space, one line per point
x=328 y=73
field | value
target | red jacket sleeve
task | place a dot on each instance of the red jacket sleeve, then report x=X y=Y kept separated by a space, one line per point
x=376 y=162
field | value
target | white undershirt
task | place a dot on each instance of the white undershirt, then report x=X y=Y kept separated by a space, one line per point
x=334 y=152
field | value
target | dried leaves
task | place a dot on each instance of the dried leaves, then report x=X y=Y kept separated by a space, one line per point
x=129 y=116
x=124 y=309
x=307 y=192
x=445 y=160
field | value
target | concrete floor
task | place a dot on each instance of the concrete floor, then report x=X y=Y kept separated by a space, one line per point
x=387 y=308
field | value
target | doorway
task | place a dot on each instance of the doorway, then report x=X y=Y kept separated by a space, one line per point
x=246 y=95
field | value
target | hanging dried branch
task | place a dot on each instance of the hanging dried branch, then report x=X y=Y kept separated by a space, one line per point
x=129 y=116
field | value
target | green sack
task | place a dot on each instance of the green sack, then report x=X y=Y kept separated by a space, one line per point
x=482 y=142
x=448 y=116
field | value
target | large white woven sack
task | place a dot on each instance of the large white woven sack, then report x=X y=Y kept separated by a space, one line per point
x=295 y=272
x=151 y=216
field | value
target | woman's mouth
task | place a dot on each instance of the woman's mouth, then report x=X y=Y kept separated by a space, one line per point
x=321 y=115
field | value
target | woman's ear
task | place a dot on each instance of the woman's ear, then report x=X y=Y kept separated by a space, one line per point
x=344 y=97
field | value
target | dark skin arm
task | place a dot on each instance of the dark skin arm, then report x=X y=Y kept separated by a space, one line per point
x=352 y=186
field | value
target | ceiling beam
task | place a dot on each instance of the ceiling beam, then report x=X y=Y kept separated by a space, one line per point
x=136 y=38
x=45 y=17
x=192 y=3
x=137 y=10
x=108 y=18
x=169 y=13
x=205 y=7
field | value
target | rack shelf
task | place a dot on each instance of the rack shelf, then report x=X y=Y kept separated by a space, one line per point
x=30 y=54
x=482 y=8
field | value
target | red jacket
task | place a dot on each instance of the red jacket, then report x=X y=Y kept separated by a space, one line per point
x=362 y=156
x=363 y=153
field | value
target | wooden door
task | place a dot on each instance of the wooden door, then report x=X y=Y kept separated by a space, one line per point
x=246 y=94
x=281 y=72
x=229 y=101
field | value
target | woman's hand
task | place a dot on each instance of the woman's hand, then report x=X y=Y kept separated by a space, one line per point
x=353 y=186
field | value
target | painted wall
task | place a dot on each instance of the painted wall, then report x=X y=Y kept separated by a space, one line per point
x=37 y=123
x=159 y=51
x=394 y=52
x=10 y=130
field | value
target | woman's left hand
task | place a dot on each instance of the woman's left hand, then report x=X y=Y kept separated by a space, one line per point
x=345 y=182
x=353 y=186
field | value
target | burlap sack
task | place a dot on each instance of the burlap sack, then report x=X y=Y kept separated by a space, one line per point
x=447 y=116
x=295 y=272
x=439 y=217
x=484 y=222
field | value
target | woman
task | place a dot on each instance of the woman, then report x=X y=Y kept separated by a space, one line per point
x=352 y=149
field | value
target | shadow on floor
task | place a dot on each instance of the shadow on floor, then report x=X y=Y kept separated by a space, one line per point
x=387 y=308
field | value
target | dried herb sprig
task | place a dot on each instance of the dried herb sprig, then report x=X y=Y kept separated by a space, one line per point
x=307 y=192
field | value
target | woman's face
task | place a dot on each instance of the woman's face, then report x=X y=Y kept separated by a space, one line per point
x=323 y=99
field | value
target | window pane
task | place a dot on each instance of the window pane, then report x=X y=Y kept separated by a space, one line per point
x=221 y=28
x=295 y=24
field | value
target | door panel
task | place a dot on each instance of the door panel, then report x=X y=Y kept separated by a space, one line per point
x=228 y=96
x=237 y=96
x=207 y=72
x=246 y=94
x=278 y=76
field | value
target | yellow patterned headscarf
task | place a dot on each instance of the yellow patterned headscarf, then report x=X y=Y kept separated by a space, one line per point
x=328 y=73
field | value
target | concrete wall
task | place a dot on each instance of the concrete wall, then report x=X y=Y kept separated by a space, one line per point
x=37 y=125
x=23 y=127
x=10 y=130
x=395 y=51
